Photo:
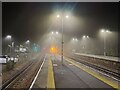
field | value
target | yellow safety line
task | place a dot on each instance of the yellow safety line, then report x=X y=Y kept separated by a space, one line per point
x=50 y=79
x=95 y=75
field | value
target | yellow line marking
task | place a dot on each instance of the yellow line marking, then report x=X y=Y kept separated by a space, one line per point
x=95 y=75
x=50 y=79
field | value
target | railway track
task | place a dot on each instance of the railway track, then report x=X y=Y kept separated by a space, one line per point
x=24 y=77
x=6 y=83
x=99 y=68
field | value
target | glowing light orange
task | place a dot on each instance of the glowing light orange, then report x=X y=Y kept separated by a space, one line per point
x=54 y=50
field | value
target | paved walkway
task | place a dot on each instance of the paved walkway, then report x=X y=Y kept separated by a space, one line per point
x=71 y=76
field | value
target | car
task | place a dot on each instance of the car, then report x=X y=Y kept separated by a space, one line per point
x=4 y=59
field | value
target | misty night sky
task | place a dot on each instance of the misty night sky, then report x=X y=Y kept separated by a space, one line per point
x=19 y=19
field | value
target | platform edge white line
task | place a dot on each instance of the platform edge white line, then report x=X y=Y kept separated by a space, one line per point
x=37 y=74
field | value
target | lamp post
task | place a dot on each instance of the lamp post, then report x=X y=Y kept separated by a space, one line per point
x=10 y=38
x=104 y=31
x=28 y=48
x=74 y=42
x=62 y=41
x=53 y=36
x=28 y=41
x=28 y=44
x=84 y=45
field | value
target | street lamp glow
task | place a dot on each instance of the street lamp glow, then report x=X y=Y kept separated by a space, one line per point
x=87 y=36
x=62 y=41
x=102 y=30
x=67 y=16
x=56 y=32
x=8 y=36
x=11 y=44
x=58 y=16
x=52 y=32
x=107 y=31
x=84 y=36
x=76 y=39
x=27 y=41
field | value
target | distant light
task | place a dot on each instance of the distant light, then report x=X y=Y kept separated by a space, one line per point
x=67 y=16
x=84 y=36
x=102 y=30
x=8 y=36
x=28 y=41
x=12 y=58
x=58 y=16
x=21 y=45
x=107 y=31
x=73 y=39
x=53 y=50
x=87 y=36
x=24 y=49
x=56 y=32
x=76 y=39
x=21 y=49
x=52 y=32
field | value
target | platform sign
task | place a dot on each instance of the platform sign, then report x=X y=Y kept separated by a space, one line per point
x=35 y=48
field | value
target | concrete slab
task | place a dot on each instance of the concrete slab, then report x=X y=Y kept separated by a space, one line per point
x=70 y=76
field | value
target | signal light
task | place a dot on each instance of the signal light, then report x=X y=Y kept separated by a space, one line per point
x=53 y=49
